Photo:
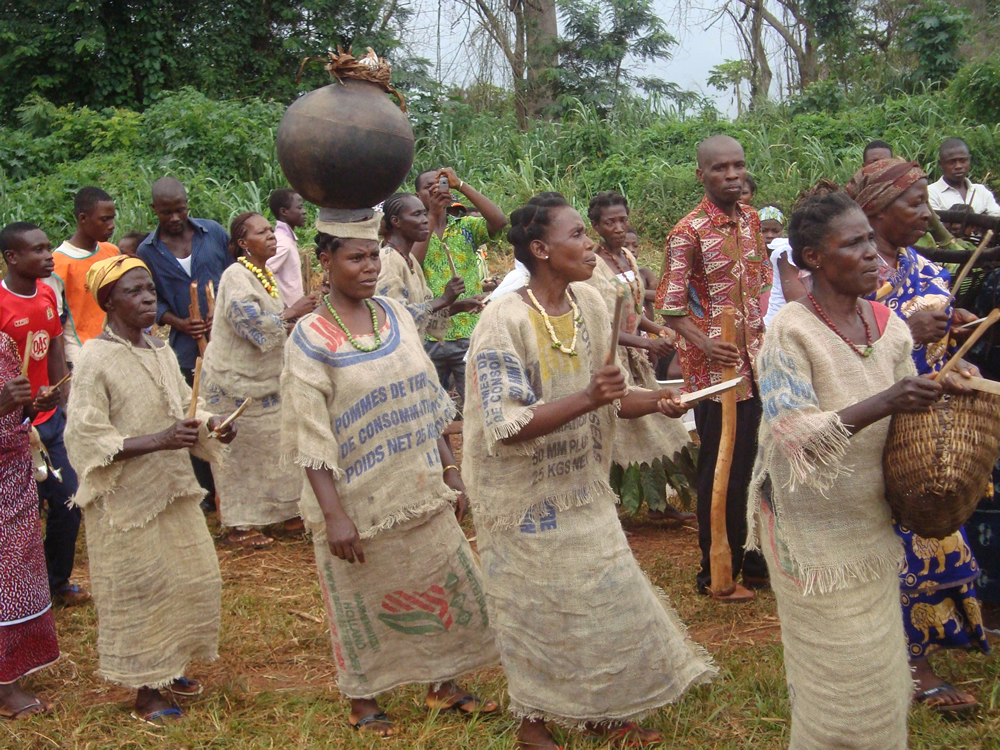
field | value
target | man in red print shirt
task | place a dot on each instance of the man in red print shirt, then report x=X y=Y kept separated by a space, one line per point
x=28 y=309
x=716 y=257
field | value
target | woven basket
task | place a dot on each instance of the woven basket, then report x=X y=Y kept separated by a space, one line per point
x=938 y=463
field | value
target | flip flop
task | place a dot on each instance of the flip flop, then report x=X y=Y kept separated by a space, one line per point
x=629 y=734
x=152 y=717
x=459 y=706
x=253 y=540
x=187 y=688
x=29 y=710
x=947 y=709
x=367 y=721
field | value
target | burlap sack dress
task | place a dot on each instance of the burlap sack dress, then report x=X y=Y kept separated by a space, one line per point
x=818 y=513
x=402 y=279
x=153 y=570
x=244 y=360
x=637 y=440
x=414 y=612
x=583 y=634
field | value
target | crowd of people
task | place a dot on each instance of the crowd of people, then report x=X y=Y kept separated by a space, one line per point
x=195 y=370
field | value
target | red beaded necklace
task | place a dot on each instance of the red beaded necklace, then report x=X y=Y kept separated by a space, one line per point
x=867 y=351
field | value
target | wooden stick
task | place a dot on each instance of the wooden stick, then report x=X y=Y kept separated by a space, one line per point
x=992 y=318
x=194 y=312
x=720 y=554
x=968 y=267
x=307 y=273
x=230 y=419
x=66 y=377
x=26 y=361
x=447 y=254
x=195 y=386
x=210 y=297
x=616 y=324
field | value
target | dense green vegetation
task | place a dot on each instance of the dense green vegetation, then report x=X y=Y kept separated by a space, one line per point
x=224 y=150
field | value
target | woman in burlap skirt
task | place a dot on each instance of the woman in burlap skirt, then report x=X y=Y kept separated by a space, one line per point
x=364 y=416
x=243 y=361
x=638 y=442
x=832 y=369
x=153 y=568
x=585 y=639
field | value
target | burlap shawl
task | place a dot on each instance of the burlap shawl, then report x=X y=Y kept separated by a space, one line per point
x=244 y=357
x=826 y=489
x=121 y=392
x=372 y=418
x=409 y=287
x=513 y=368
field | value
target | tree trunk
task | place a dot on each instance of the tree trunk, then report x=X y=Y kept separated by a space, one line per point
x=540 y=34
x=760 y=71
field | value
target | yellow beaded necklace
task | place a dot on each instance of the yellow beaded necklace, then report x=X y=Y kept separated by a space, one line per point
x=556 y=343
x=265 y=277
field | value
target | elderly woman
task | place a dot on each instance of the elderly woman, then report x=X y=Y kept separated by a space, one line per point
x=27 y=629
x=940 y=609
x=638 y=442
x=364 y=417
x=243 y=361
x=153 y=567
x=832 y=368
x=404 y=223
x=585 y=639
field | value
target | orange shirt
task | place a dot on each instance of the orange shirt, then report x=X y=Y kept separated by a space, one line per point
x=84 y=319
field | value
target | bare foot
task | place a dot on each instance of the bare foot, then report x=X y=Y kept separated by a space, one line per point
x=534 y=735
x=451 y=696
x=368 y=718
x=937 y=694
x=16 y=703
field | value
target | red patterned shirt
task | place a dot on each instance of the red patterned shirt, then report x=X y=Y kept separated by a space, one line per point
x=713 y=261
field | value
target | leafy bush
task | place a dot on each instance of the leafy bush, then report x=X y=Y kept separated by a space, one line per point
x=976 y=91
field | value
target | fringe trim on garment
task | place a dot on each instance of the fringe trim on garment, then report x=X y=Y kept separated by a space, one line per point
x=303 y=461
x=512 y=426
x=824 y=580
x=106 y=461
x=409 y=513
x=816 y=461
x=433 y=683
x=211 y=656
x=572 y=499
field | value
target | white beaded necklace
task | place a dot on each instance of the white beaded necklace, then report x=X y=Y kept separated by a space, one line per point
x=556 y=343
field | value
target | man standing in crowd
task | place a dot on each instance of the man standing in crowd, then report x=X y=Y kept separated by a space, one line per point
x=286 y=265
x=954 y=161
x=28 y=311
x=95 y=223
x=462 y=236
x=179 y=251
x=876 y=150
x=716 y=257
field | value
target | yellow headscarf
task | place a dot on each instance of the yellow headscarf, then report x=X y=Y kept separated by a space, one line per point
x=103 y=275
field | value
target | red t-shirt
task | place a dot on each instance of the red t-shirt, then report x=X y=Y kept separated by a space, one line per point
x=36 y=314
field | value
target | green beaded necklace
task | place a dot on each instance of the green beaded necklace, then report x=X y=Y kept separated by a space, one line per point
x=350 y=336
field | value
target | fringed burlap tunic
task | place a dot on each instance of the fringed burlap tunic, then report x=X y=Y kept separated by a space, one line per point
x=583 y=634
x=402 y=279
x=244 y=360
x=153 y=570
x=415 y=610
x=818 y=512
x=637 y=440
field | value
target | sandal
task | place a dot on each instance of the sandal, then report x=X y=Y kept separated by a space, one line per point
x=461 y=705
x=38 y=707
x=248 y=539
x=69 y=594
x=932 y=699
x=185 y=688
x=372 y=723
x=158 y=718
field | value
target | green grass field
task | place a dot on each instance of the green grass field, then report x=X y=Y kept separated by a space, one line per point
x=274 y=684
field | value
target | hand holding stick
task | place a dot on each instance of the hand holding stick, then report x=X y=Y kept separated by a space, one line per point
x=990 y=319
x=195 y=386
x=220 y=428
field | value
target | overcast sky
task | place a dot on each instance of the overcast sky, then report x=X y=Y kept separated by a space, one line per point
x=698 y=50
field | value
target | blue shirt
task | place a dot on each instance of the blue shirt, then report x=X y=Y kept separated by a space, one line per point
x=209 y=258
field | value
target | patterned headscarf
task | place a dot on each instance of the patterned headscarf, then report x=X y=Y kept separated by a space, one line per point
x=876 y=186
x=772 y=213
x=103 y=275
